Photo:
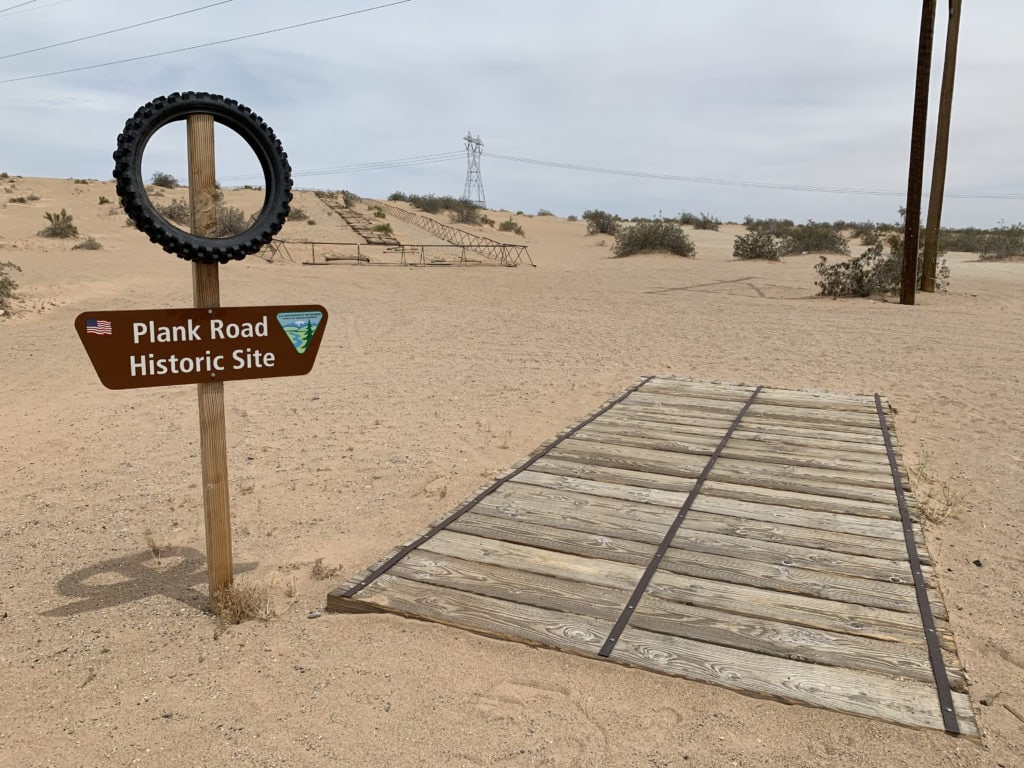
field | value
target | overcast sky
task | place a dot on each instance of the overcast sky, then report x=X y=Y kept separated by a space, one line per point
x=794 y=92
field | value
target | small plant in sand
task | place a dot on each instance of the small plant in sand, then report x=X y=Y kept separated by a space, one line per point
x=81 y=181
x=651 y=236
x=7 y=284
x=243 y=601
x=349 y=198
x=544 y=212
x=89 y=244
x=165 y=180
x=61 y=225
x=815 y=237
x=321 y=572
x=877 y=271
x=297 y=214
x=487 y=220
x=756 y=245
x=1003 y=243
x=777 y=227
x=700 y=221
x=104 y=200
x=177 y=211
x=601 y=222
x=384 y=229
x=511 y=226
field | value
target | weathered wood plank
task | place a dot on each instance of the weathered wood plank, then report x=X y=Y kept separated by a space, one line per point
x=711 y=533
x=807 y=458
x=706 y=625
x=691 y=559
x=841 y=433
x=848 y=421
x=800 y=399
x=855 y=692
x=883 y=624
x=850 y=454
x=869 y=530
x=795 y=499
x=749 y=474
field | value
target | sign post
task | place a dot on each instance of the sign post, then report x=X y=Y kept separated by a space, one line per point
x=207 y=344
x=202 y=189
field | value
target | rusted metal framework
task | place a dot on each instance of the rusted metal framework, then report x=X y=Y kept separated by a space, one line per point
x=507 y=254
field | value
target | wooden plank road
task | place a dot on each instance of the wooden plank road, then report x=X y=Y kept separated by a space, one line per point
x=752 y=538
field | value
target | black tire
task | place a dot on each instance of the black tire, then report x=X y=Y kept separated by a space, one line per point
x=131 y=188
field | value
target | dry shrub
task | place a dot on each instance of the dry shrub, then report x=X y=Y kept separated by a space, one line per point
x=244 y=601
x=321 y=572
x=89 y=244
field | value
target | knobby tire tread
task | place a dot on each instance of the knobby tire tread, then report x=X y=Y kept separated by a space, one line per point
x=131 y=188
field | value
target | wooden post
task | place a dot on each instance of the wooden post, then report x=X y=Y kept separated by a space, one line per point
x=915 y=180
x=931 y=232
x=202 y=186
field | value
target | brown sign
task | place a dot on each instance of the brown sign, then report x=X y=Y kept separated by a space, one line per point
x=160 y=347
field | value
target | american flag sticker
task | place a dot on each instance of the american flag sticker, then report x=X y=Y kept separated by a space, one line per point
x=98 y=327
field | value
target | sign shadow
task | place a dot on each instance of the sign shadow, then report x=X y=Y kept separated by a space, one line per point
x=175 y=574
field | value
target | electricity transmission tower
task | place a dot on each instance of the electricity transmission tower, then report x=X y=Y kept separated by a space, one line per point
x=474 y=191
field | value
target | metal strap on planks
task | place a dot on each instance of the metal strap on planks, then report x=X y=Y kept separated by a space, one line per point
x=652 y=567
x=468 y=505
x=949 y=719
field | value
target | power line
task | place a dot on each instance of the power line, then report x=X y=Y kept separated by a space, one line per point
x=207 y=45
x=748 y=184
x=379 y=165
x=12 y=7
x=39 y=7
x=112 y=31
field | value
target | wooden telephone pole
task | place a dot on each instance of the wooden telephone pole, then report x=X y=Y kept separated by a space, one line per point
x=931 y=232
x=915 y=179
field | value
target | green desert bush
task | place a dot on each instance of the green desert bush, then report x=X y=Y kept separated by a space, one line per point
x=311 y=222
x=384 y=229
x=486 y=220
x=544 y=212
x=1003 y=243
x=511 y=226
x=349 y=198
x=572 y=217
x=601 y=222
x=61 y=225
x=165 y=180
x=230 y=221
x=649 y=236
x=177 y=211
x=777 y=227
x=297 y=214
x=104 y=200
x=700 y=221
x=877 y=271
x=8 y=286
x=814 y=237
x=17 y=200
x=89 y=244
x=756 y=245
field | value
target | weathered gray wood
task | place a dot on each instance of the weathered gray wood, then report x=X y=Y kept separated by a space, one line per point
x=711 y=533
x=848 y=421
x=861 y=435
x=819 y=400
x=759 y=450
x=795 y=499
x=789 y=577
x=706 y=625
x=807 y=458
x=750 y=474
x=876 y=696
x=867 y=530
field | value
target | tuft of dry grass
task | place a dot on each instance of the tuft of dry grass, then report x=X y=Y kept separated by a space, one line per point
x=321 y=572
x=937 y=498
x=244 y=601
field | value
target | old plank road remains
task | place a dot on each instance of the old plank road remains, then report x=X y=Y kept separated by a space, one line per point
x=760 y=539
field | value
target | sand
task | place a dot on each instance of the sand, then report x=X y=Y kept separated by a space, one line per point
x=429 y=382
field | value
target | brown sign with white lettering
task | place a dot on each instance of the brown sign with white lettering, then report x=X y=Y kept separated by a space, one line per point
x=161 y=347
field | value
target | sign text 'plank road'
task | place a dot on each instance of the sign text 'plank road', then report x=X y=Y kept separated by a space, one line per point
x=161 y=347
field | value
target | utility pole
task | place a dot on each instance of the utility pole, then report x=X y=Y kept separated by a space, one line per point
x=931 y=232
x=474 y=191
x=915 y=178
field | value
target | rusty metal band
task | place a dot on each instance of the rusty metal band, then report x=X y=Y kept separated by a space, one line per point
x=468 y=505
x=652 y=567
x=949 y=719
